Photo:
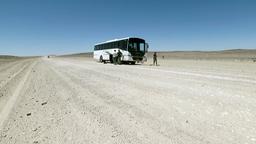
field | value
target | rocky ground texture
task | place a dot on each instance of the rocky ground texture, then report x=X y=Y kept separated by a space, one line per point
x=66 y=100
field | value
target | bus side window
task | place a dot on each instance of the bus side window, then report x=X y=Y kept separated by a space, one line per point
x=122 y=45
x=112 y=45
x=118 y=44
x=109 y=45
x=130 y=45
x=125 y=45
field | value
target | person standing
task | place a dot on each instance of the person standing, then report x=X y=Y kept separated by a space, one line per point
x=119 y=56
x=115 y=57
x=155 y=59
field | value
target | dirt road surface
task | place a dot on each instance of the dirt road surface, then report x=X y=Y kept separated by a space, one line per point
x=65 y=100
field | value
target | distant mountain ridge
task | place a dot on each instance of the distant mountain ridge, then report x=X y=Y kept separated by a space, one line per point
x=228 y=50
x=8 y=56
x=231 y=54
x=221 y=54
x=220 y=51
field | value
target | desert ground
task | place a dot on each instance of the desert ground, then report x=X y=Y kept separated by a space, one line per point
x=73 y=99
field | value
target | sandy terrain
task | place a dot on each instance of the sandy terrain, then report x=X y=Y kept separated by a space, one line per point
x=67 y=100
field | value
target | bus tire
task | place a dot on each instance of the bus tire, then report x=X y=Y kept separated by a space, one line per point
x=133 y=63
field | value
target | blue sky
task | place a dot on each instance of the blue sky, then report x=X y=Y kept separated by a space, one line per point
x=41 y=27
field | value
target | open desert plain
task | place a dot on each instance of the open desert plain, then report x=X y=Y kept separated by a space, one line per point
x=190 y=98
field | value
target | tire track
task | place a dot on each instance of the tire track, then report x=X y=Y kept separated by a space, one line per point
x=134 y=115
x=2 y=84
x=11 y=102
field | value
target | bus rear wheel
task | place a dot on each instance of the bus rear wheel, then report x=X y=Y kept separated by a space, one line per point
x=133 y=63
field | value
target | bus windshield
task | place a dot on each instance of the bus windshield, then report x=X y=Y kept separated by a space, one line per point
x=136 y=45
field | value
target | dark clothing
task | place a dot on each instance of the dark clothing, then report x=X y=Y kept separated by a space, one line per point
x=115 y=60
x=119 y=55
x=114 y=57
x=154 y=59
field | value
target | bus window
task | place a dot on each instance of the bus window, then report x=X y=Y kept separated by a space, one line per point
x=108 y=46
x=125 y=44
x=142 y=47
x=132 y=46
x=118 y=44
x=123 y=47
x=135 y=46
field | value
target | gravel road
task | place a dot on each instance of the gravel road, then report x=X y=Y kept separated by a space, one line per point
x=67 y=100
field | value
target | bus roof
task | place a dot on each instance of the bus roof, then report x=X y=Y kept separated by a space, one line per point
x=115 y=40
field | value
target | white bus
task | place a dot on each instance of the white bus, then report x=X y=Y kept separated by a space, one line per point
x=133 y=50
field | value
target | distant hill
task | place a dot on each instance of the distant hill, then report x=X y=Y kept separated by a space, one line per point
x=88 y=54
x=241 y=54
x=7 y=56
x=16 y=57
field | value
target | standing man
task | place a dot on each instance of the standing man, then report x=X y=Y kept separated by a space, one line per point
x=119 y=55
x=115 y=57
x=155 y=59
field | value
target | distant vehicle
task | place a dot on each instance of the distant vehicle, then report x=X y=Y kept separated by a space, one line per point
x=51 y=56
x=133 y=50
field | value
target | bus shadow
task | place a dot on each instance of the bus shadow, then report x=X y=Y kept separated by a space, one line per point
x=124 y=64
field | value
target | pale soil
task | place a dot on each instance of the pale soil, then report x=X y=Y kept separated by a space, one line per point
x=76 y=100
